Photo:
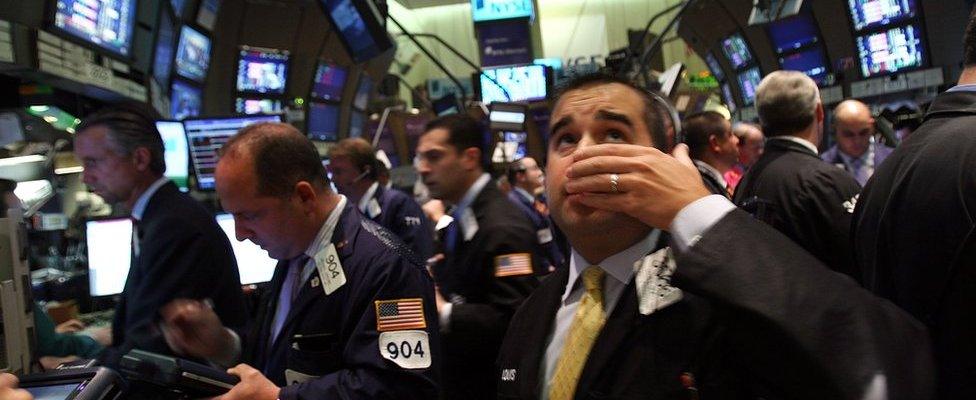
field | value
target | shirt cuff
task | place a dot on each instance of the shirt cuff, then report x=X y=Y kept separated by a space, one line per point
x=697 y=218
x=445 y=317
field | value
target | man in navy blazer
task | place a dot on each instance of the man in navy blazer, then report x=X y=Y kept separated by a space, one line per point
x=351 y=311
x=856 y=150
x=354 y=168
x=526 y=178
x=178 y=249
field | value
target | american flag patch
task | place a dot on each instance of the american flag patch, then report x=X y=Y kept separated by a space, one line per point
x=397 y=315
x=513 y=264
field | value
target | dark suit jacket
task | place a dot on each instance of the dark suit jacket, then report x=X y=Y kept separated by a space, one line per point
x=806 y=199
x=551 y=252
x=760 y=318
x=334 y=337
x=710 y=183
x=400 y=214
x=915 y=235
x=483 y=303
x=183 y=254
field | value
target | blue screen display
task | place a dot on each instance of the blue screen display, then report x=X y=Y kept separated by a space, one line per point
x=106 y=24
x=714 y=66
x=792 y=33
x=193 y=54
x=357 y=123
x=523 y=83
x=866 y=14
x=890 y=51
x=810 y=62
x=736 y=51
x=328 y=82
x=323 y=122
x=362 y=93
x=185 y=100
x=727 y=97
x=352 y=27
x=749 y=82
x=165 y=41
x=490 y=10
x=262 y=71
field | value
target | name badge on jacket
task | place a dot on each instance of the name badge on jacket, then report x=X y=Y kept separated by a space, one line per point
x=294 y=377
x=373 y=208
x=330 y=269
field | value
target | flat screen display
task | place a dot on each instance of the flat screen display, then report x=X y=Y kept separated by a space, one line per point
x=106 y=24
x=192 y=54
x=793 y=33
x=728 y=98
x=810 y=62
x=53 y=392
x=328 y=82
x=176 y=153
x=867 y=14
x=185 y=100
x=262 y=71
x=323 y=122
x=109 y=243
x=715 y=67
x=749 y=82
x=207 y=14
x=257 y=106
x=165 y=42
x=253 y=262
x=357 y=122
x=358 y=26
x=889 y=51
x=207 y=136
x=736 y=51
x=523 y=83
x=491 y=10
x=361 y=101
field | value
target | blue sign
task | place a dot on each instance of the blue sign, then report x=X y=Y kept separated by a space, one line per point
x=490 y=10
x=505 y=43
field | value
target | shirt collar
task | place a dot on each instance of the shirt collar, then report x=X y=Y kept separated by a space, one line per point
x=801 y=141
x=524 y=193
x=327 y=230
x=139 y=209
x=364 y=201
x=963 y=88
x=473 y=192
x=711 y=171
x=620 y=266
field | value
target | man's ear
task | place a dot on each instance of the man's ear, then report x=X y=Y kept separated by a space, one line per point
x=471 y=158
x=141 y=157
x=306 y=194
x=714 y=143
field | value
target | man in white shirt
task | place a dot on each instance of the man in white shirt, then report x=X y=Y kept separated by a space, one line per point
x=720 y=314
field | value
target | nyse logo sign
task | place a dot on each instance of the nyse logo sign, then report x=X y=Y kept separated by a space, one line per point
x=489 y=10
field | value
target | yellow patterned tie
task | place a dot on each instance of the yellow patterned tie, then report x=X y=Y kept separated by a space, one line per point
x=586 y=326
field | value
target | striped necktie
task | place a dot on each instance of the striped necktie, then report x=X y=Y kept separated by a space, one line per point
x=586 y=326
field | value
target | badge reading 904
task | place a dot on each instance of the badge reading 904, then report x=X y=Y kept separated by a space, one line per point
x=408 y=349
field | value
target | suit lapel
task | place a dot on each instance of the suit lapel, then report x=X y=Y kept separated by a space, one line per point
x=618 y=328
x=534 y=340
x=259 y=343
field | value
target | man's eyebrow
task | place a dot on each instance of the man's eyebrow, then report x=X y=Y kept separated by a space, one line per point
x=612 y=116
x=561 y=123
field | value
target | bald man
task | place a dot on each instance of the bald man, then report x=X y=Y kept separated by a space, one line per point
x=856 y=150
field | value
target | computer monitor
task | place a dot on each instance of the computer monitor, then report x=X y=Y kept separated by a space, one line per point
x=870 y=14
x=207 y=14
x=714 y=66
x=357 y=123
x=176 y=153
x=793 y=33
x=359 y=26
x=361 y=101
x=748 y=83
x=107 y=25
x=162 y=66
x=323 y=121
x=811 y=62
x=893 y=50
x=207 y=135
x=736 y=51
x=253 y=262
x=251 y=106
x=192 y=54
x=185 y=100
x=507 y=117
x=262 y=70
x=328 y=82
x=728 y=97
x=109 y=243
x=522 y=82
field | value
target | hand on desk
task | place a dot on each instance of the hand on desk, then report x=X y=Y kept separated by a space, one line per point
x=9 y=391
x=253 y=385
x=69 y=326
x=191 y=327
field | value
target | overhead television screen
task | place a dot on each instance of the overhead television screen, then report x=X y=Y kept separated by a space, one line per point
x=727 y=97
x=868 y=14
x=192 y=54
x=257 y=106
x=714 y=66
x=357 y=122
x=359 y=27
x=328 y=82
x=185 y=100
x=207 y=135
x=736 y=51
x=207 y=14
x=262 y=70
x=105 y=24
x=362 y=93
x=810 y=62
x=163 y=57
x=792 y=33
x=749 y=82
x=323 y=122
x=523 y=83
x=890 y=51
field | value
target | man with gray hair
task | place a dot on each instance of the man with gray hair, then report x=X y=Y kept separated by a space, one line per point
x=790 y=188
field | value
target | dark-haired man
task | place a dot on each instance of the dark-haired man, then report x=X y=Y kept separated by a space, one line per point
x=526 y=179
x=355 y=169
x=713 y=148
x=790 y=187
x=914 y=229
x=350 y=314
x=489 y=266
x=178 y=249
x=733 y=310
